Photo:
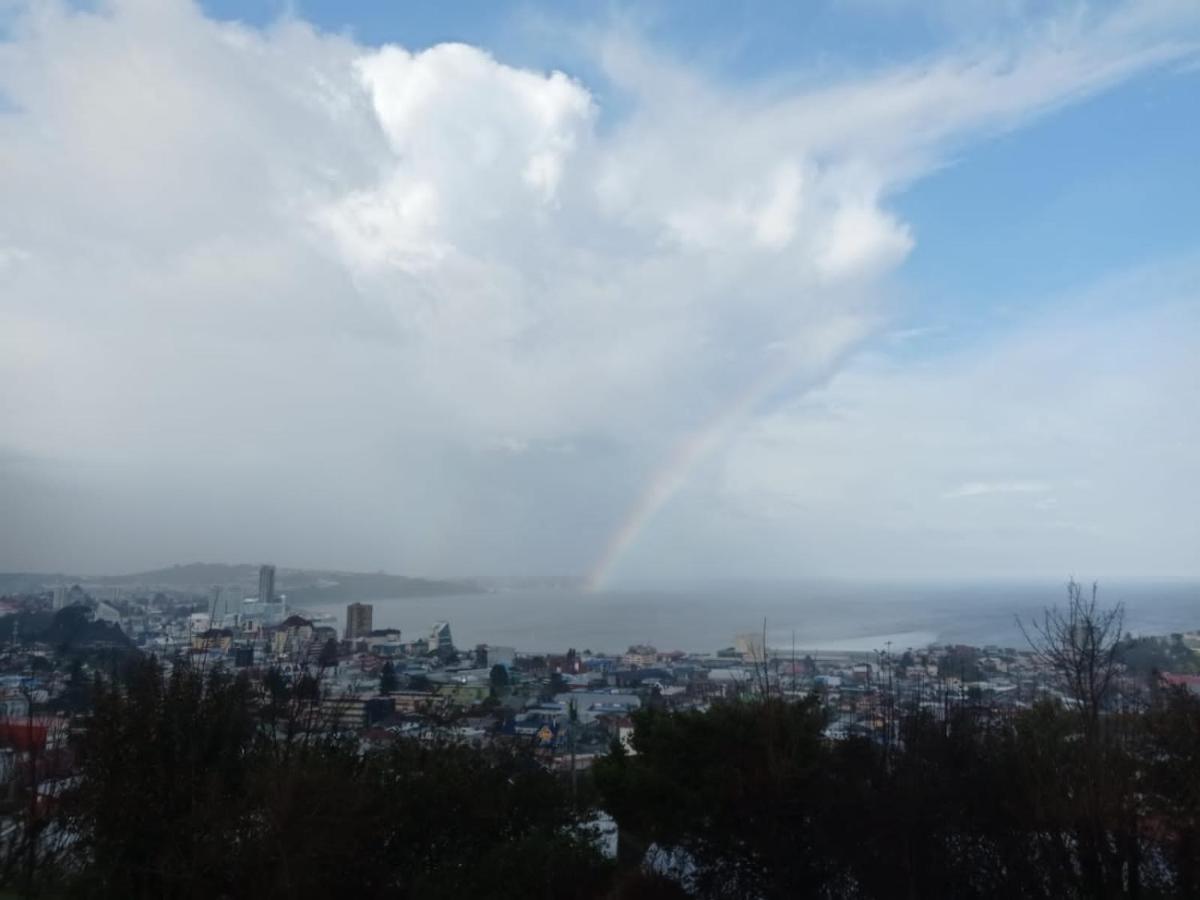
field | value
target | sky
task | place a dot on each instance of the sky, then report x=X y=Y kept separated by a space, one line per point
x=863 y=288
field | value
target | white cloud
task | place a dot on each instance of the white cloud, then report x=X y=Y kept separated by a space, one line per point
x=983 y=488
x=249 y=256
x=1097 y=402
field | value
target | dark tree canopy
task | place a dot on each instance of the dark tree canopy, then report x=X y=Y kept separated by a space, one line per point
x=388 y=680
x=184 y=795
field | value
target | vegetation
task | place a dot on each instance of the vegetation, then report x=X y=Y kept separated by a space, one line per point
x=389 y=681
x=748 y=800
x=185 y=793
x=69 y=631
x=1148 y=656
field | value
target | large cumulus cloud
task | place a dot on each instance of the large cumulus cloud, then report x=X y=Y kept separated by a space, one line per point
x=275 y=293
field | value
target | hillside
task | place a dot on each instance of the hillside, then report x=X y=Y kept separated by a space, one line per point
x=302 y=586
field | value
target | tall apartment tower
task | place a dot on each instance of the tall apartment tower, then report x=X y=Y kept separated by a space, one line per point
x=440 y=641
x=359 y=618
x=266 y=584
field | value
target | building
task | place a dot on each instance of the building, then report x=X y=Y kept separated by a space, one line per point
x=750 y=646
x=60 y=597
x=226 y=607
x=352 y=711
x=412 y=701
x=440 y=641
x=213 y=639
x=359 y=618
x=385 y=642
x=1188 y=682
x=500 y=656
x=640 y=656
x=592 y=705
x=292 y=637
x=266 y=584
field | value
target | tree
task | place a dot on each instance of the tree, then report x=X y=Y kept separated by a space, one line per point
x=183 y=795
x=1081 y=643
x=419 y=682
x=388 y=681
x=738 y=789
x=498 y=677
x=329 y=654
x=1173 y=781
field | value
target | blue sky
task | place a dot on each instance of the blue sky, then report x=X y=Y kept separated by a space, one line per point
x=855 y=287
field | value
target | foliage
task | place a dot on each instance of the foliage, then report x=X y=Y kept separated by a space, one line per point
x=740 y=789
x=498 y=677
x=1149 y=655
x=329 y=654
x=389 y=682
x=755 y=803
x=185 y=793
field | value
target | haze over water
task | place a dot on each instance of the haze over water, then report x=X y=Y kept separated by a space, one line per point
x=827 y=615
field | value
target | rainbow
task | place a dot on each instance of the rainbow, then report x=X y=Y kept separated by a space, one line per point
x=670 y=477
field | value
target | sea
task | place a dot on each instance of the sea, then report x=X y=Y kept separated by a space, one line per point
x=829 y=615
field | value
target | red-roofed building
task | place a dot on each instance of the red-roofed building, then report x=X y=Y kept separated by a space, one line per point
x=1191 y=682
x=23 y=736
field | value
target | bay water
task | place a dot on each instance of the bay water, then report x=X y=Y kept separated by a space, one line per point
x=811 y=615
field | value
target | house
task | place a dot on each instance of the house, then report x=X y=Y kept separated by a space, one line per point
x=292 y=636
x=640 y=656
x=618 y=728
x=1190 y=682
x=412 y=701
x=356 y=711
x=464 y=694
x=590 y=705
x=636 y=677
x=214 y=639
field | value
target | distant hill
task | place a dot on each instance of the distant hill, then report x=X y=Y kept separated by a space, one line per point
x=32 y=582
x=190 y=575
x=302 y=586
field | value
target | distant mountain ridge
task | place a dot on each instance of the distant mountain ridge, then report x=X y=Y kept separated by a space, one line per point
x=302 y=586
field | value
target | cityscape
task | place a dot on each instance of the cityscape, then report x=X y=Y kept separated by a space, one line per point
x=637 y=450
x=568 y=704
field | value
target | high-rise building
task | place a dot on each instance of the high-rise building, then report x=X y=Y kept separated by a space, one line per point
x=359 y=618
x=266 y=584
x=440 y=641
x=226 y=604
x=60 y=597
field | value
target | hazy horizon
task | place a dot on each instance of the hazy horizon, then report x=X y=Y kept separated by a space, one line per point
x=675 y=583
x=865 y=289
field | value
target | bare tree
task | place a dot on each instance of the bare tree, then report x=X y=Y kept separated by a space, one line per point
x=1080 y=643
x=760 y=659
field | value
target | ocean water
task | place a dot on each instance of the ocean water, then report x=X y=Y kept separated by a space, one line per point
x=824 y=615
